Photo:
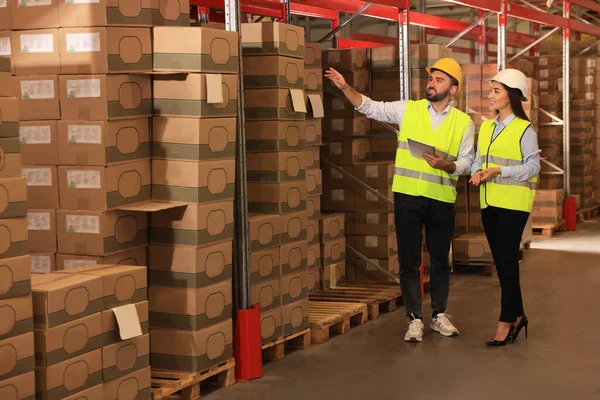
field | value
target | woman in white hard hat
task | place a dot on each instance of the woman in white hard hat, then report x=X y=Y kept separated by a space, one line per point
x=506 y=166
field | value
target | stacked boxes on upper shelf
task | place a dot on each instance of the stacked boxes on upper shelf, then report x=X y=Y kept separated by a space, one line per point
x=194 y=146
x=276 y=129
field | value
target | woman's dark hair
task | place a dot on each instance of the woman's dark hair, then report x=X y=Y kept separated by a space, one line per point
x=515 y=96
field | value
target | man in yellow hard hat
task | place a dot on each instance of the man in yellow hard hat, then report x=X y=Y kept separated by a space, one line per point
x=424 y=185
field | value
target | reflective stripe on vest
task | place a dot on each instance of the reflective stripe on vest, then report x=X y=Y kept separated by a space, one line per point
x=414 y=176
x=505 y=151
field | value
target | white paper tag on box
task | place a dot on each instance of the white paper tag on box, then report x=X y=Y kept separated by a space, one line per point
x=37 y=90
x=589 y=80
x=590 y=96
x=371 y=241
x=338 y=104
x=337 y=125
x=335 y=148
x=544 y=85
x=77 y=179
x=337 y=195
x=83 y=224
x=3 y=4
x=82 y=1
x=334 y=57
x=40 y=264
x=335 y=174
x=88 y=134
x=34 y=3
x=372 y=218
x=544 y=73
x=70 y=264
x=128 y=321
x=372 y=171
x=35 y=135
x=374 y=261
x=38 y=221
x=37 y=176
x=83 y=42
x=83 y=88
x=5 y=43
x=372 y=196
x=43 y=43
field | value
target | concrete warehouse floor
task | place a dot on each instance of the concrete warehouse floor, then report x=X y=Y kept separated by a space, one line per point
x=561 y=359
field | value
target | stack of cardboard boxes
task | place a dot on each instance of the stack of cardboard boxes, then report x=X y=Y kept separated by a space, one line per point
x=190 y=256
x=277 y=133
x=332 y=241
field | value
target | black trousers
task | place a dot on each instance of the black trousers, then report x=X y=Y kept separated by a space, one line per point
x=504 y=229
x=411 y=214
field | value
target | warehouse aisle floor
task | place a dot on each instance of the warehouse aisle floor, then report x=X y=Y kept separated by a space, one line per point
x=561 y=359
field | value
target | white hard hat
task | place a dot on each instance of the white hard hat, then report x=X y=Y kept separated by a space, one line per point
x=515 y=79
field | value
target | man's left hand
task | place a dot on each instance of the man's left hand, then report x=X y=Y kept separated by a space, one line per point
x=438 y=162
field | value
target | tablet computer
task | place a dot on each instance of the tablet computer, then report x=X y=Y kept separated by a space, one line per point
x=418 y=148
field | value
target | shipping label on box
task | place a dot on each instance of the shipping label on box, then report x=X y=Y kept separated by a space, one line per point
x=18 y=356
x=42 y=186
x=275 y=136
x=313 y=207
x=43 y=263
x=265 y=231
x=293 y=227
x=190 y=351
x=294 y=287
x=274 y=104
x=193 y=225
x=314 y=109
x=41 y=227
x=293 y=257
x=271 y=327
x=295 y=317
x=213 y=138
x=38 y=98
x=16 y=275
x=273 y=72
x=264 y=265
x=190 y=267
x=17 y=315
x=13 y=198
x=271 y=198
x=39 y=145
x=193 y=182
x=313 y=256
x=312 y=55
x=135 y=256
x=192 y=49
x=272 y=38
x=266 y=294
x=38 y=52
x=110 y=326
x=276 y=167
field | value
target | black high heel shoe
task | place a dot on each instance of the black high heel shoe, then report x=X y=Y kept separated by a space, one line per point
x=509 y=338
x=523 y=323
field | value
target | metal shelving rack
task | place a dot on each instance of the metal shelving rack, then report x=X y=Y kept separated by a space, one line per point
x=399 y=11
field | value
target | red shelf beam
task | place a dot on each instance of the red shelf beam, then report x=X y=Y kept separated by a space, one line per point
x=255 y=7
x=590 y=5
x=315 y=12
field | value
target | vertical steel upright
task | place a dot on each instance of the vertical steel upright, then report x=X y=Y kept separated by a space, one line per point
x=404 y=51
x=566 y=97
x=422 y=31
x=502 y=17
x=482 y=39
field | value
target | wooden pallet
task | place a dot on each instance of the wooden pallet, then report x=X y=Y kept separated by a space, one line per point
x=377 y=297
x=549 y=230
x=275 y=350
x=171 y=385
x=330 y=317
x=588 y=213
x=485 y=268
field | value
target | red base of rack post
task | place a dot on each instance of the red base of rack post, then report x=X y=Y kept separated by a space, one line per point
x=248 y=351
x=570 y=213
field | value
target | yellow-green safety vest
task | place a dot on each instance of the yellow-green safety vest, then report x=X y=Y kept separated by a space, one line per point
x=505 y=151
x=414 y=176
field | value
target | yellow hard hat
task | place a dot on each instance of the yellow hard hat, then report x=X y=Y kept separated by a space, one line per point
x=449 y=66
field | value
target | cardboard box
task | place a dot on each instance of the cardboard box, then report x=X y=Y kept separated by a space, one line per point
x=312 y=55
x=38 y=98
x=333 y=251
x=136 y=385
x=293 y=257
x=274 y=104
x=193 y=182
x=104 y=142
x=335 y=179
x=15 y=276
x=100 y=233
x=338 y=200
x=313 y=79
x=265 y=231
x=335 y=272
x=313 y=256
x=314 y=105
x=380 y=224
x=383 y=149
x=313 y=158
x=9 y=108
x=21 y=387
x=190 y=308
x=314 y=280
x=16 y=315
x=313 y=207
x=10 y=149
x=293 y=227
x=375 y=246
x=110 y=326
x=41 y=227
x=190 y=267
x=266 y=294
x=339 y=107
x=134 y=256
x=191 y=49
x=331 y=227
x=13 y=198
x=105 y=50
x=376 y=174
x=272 y=198
x=28 y=14
x=104 y=188
x=17 y=356
x=196 y=95
x=69 y=377
x=264 y=265
x=195 y=351
x=313 y=132
x=364 y=272
x=312 y=231
x=5 y=17
x=125 y=357
x=211 y=139
x=39 y=144
x=347 y=152
x=334 y=129
x=42 y=263
x=121 y=284
x=367 y=200
x=547 y=207
x=272 y=38
x=69 y=340
x=93 y=393
x=471 y=247
x=105 y=97
x=295 y=317
x=348 y=60
x=314 y=182
x=275 y=136
x=294 y=287
x=13 y=238
x=273 y=72
x=194 y=225
x=271 y=327
x=36 y=52
x=358 y=80
x=276 y=167
x=62 y=298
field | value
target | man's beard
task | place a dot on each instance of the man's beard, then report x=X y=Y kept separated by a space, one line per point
x=436 y=97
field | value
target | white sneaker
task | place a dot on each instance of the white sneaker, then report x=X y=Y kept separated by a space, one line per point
x=442 y=324
x=415 y=331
